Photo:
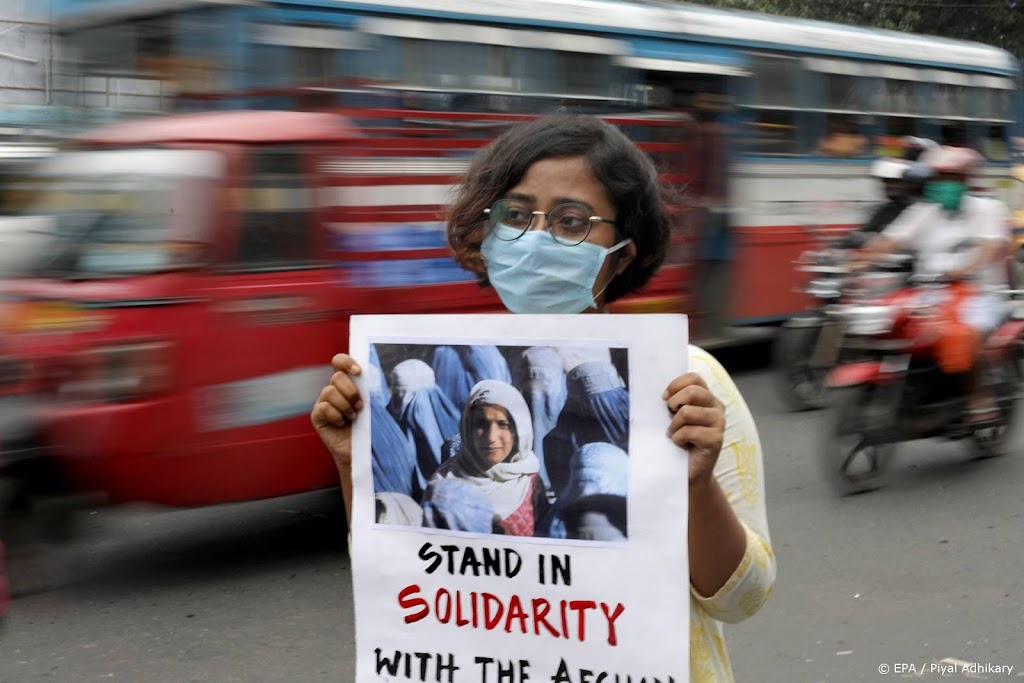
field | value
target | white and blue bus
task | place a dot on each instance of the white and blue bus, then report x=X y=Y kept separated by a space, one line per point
x=803 y=106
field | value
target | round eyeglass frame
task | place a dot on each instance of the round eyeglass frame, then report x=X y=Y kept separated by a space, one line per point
x=491 y=214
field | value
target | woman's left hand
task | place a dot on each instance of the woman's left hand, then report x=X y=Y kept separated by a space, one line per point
x=698 y=423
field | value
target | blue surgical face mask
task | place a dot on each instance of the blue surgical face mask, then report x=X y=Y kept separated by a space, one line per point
x=535 y=274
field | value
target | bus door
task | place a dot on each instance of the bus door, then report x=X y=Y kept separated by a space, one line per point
x=274 y=326
x=699 y=93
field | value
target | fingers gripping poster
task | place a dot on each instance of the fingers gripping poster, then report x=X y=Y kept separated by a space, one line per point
x=519 y=513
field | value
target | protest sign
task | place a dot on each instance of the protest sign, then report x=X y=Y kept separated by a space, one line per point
x=519 y=513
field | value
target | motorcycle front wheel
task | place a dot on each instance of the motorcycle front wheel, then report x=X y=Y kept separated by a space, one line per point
x=802 y=385
x=850 y=463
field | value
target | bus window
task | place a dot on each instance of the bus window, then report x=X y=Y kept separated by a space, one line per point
x=842 y=93
x=954 y=133
x=275 y=232
x=990 y=105
x=773 y=133
x=899 y=96
x=423 y=63
x=301 y=54
x=773 y=105
x=843 y=102
x=999 y=105
x=993 y=142
x=583 y=73
x=269 y=62
x=952 y=100
x=843 y=139
x=898 y=103
x=312 y=64
x=893 y=130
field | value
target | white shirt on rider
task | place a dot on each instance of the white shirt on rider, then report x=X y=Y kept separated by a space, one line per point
x=945 y=240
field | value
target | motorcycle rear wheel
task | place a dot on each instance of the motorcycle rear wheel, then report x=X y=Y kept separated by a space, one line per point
x=849 y=464
x=802 y=386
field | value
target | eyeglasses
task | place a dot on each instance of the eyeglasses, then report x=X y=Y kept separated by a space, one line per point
x=568 y=223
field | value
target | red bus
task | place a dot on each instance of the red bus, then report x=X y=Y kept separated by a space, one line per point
x=169 y=343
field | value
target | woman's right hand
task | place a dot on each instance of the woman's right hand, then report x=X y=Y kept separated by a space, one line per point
x=336 y=408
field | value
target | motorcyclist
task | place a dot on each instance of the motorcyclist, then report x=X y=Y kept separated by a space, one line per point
x=965 y=239
x=890 y=172
x=902 y=182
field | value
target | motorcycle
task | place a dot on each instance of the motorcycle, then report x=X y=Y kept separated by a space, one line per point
x=807 y=345
x=889 y=388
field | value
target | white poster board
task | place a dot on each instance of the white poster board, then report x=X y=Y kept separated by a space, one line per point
x=450 y=585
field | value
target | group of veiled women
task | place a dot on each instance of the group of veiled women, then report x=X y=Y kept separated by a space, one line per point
x=533 y=444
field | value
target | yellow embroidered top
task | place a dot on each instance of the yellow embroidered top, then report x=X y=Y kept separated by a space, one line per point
x=739 y=472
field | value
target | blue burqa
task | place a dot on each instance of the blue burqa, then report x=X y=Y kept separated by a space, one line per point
x=596 y=410
x=392 y=450
x=459 y=368
x=540 y=377
x=453 y=503
x=595 y=469
x=424 y=413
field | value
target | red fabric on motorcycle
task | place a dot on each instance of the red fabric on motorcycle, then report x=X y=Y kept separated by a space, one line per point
x=957 y=345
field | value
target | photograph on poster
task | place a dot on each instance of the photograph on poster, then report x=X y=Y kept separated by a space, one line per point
x=505 y=440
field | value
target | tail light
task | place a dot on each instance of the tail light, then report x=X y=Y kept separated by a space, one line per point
x=121 y=372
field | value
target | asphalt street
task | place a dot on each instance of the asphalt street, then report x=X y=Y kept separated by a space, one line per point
x=924 y=574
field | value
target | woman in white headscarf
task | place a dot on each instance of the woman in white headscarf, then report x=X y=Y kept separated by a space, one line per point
x=496 y=456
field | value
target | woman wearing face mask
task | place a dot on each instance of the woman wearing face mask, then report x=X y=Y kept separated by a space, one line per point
x=496 y=456
x=564 y=215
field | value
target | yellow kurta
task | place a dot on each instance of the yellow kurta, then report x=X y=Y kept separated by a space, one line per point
x=739 y=472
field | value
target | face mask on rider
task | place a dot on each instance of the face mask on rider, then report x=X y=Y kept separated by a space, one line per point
x=947 y=193
x=535 y=274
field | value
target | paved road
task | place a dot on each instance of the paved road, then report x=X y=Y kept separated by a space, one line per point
x=925 y=571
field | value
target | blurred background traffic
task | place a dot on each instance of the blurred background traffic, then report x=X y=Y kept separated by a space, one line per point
x=196 y=195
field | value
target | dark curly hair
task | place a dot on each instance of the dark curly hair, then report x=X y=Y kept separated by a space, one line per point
x=627 y=174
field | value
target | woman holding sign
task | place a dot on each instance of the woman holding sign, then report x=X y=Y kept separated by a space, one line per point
x=564 y=215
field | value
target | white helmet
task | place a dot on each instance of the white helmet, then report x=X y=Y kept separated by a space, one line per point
x=947 y=159
x=889 y=169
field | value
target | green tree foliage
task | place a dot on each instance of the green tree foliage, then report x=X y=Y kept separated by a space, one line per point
x=995 y=22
